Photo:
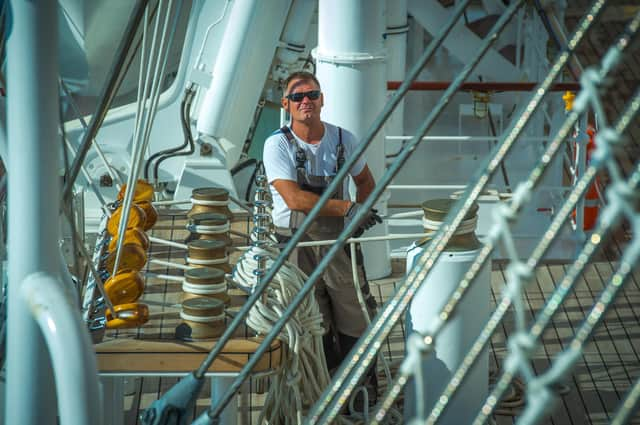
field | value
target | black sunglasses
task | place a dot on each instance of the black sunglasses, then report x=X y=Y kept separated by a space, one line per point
x=297 y=97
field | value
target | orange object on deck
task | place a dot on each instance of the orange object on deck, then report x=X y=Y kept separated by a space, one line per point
x=591 y=199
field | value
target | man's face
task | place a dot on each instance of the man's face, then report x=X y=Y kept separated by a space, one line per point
x=304 y=108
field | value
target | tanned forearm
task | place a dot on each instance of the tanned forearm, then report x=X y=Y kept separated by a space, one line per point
x=302 y=200
x=364 y=184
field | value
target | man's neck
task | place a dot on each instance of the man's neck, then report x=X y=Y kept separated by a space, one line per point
x=309 y=132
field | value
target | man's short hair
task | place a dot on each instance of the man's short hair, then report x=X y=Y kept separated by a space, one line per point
x=299 y=75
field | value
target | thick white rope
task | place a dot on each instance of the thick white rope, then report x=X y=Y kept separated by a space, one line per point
x=364 y=415
x=207 y=261
x=198 y=289
x=467 y=226
x=208 y=230
x=209 y=203
x=303 y=375
x=201 y=319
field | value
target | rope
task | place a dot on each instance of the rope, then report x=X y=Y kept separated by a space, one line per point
x=214 y=288
x=201 y=319
x=208 y=230
x=467 y=226
x=207 y=261
x=146 y=107
x=209 y=203
x=303 y=375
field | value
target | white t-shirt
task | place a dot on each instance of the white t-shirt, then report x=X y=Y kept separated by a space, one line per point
x=279 y=158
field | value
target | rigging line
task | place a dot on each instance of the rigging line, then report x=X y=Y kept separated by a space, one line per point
x=106 y=97
x=113 y=173
x=89 y=180
x=563 y=214
x=544 y=244
x=71 y=217
x=297 y=236
x=373 y=130
x=373 y=197
x=566 y=360
x=141 y=145
x=628 y=406
x=400 y=300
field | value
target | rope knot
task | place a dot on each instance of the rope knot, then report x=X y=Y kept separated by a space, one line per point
x=517 y=273
x=521 y=345
x=417 y=346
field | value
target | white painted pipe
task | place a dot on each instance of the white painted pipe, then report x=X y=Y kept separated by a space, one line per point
x=296 y=31
x=70 y=348
x=210 y=119
x=351 y=69
x=34 y=195
x=396 y=44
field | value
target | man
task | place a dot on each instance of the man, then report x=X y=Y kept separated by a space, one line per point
x=300 y=161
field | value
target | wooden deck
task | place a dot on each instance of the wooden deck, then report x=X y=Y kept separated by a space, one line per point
x=610 y=364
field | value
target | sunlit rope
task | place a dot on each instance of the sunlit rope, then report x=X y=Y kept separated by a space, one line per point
x=303 y=375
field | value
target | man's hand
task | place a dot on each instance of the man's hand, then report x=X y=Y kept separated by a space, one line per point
x=368 y=220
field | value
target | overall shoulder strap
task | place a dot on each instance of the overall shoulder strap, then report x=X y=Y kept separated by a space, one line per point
x=301 y=156
x=339 y=151
x=287 y=133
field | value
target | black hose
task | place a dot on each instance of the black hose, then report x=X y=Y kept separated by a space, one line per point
x=188 y=96
x=186 y=129
x=245 y=164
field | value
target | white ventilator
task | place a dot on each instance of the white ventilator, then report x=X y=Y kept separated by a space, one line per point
x=436 y=369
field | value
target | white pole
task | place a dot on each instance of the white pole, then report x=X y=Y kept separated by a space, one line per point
x=396 y=43
x=70 y=347
x=210 y=119
x=351 y=69
x=34 y=196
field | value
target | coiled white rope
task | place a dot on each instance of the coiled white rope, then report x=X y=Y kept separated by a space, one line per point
x=209 y=203
x=207 y=261
x=201 y=319
x=207 y=229
x=199 y=289
x=467 y=226
x=303 y=375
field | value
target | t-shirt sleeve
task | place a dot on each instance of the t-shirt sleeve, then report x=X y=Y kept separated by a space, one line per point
x=277 y=162
x=350 y=143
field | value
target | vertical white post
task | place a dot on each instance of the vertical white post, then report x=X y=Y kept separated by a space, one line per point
x=396 y=43
x=351 y=68
x=34 y=196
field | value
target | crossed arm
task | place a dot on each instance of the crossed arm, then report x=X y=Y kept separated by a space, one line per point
x=302 y=200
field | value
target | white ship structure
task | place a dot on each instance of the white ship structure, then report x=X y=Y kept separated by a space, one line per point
x=142 y=281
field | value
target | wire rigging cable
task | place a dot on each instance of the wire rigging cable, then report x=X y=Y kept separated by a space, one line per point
x=148 y=95
x=518 y=269
x=385 y=114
